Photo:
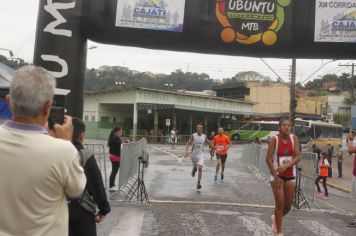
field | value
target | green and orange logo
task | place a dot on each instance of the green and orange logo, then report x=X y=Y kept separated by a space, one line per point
x=251 y=21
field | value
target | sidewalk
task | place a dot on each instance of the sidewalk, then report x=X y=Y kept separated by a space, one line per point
x=343 y=184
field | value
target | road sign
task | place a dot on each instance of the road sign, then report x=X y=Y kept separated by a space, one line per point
x=168 y=122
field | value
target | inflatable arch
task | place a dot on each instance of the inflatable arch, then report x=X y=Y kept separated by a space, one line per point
x=259 y=28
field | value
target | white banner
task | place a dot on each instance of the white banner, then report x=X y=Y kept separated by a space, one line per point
x=335 y=21
x=167 y=15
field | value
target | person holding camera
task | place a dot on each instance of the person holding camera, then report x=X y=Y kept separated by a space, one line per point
x=37 y=171
x=82 y=211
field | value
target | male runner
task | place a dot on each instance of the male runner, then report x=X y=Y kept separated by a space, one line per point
x=197 y=154
x=221 y=143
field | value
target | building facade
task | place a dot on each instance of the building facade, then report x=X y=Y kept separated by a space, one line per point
x=146 y=111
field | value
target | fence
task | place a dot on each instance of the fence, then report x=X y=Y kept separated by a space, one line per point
x=100 y=155
x=254 y=160
x=130 y=152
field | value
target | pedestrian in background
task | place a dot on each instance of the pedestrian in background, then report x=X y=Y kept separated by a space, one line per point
x=258 y=141
x=114 y=143
x=211 y=147
x=37 y=171
x=323 y=175
x=330 y=155
x=316 y=151
x=173 y=137
x=83 y=215
x=340 y=160
x=282 y=156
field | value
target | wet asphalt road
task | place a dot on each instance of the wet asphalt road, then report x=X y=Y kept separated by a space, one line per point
x=239 y=205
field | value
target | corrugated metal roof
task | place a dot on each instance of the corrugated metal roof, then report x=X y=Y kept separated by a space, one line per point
x=6 y=74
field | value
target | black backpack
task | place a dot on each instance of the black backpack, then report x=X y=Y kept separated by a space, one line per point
x=86 y=201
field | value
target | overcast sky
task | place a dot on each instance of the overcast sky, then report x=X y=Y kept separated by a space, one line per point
x=18 y=20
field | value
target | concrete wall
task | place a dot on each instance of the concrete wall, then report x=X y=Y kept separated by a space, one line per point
x=270 y=97
x=311 y=105
x=337 y=105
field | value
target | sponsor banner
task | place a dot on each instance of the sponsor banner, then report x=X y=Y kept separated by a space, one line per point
x=166 y=15
x=335 y=21
x=251 y=21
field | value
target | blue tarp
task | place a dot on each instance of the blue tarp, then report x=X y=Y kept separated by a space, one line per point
x=5 y=112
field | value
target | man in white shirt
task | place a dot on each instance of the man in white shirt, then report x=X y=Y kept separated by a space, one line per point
x=37 y=171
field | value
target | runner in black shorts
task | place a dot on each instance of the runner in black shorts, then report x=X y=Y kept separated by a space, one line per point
x=221 y=143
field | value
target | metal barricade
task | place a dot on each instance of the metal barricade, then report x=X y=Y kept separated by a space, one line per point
x=100 y=155
x=254 y=161
x=308 y=166
x=130 y=152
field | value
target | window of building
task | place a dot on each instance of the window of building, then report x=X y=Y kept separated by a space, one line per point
x=86 y=118
x=92 y=118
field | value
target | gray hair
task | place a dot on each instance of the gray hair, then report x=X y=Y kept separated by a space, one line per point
x=31 y=88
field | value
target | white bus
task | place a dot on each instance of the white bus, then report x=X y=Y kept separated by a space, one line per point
x=308 y=131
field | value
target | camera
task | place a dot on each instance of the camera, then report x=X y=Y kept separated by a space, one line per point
x=56 y=115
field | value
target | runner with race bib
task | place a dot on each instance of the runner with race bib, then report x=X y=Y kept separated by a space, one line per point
x=197 y=155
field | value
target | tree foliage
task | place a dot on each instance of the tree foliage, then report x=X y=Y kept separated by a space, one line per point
x=113 y=79
x=14 y=63
x=245 y=76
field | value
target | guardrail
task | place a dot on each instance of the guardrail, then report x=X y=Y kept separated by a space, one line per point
x=131 y=172
x=254 y=160
x=100 y=155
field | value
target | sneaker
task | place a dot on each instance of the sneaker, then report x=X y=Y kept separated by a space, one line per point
x=353 y=224
x=319 y=194
x=113 y=188
x=326 y=197
x=215 y=178
x=194 y=170
x=198 y=186
x=222 y=176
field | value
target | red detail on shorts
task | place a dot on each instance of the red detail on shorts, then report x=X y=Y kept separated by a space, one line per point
x=114 y=158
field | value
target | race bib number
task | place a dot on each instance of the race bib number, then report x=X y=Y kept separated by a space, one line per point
x=220 y=148
x=283 y=160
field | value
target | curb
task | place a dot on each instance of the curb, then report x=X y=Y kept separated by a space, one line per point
x=342 y=189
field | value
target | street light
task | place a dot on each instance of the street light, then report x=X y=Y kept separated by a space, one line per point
x=10 y=52
x=120 y=83
x=168 y=86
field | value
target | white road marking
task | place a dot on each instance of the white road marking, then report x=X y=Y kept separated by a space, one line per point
x=317 y=228
x=256 y=226
x=169 y=153
x=331 y=205
x=213 y=203
x=130 y=223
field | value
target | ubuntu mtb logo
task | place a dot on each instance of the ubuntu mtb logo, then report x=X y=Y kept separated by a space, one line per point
x=251 y=21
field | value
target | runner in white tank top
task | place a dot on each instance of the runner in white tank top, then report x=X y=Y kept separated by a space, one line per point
x=197 y=140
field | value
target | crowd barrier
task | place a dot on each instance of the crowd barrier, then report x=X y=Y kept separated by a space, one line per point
x=254 y=160
x=179 y=140
x=101 y=156
x=129 y=164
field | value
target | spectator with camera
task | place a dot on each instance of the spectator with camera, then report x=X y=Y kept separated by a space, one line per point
x=37 y=171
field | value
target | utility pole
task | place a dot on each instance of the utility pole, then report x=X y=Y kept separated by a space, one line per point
x=293 y=101
x=352 y=79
